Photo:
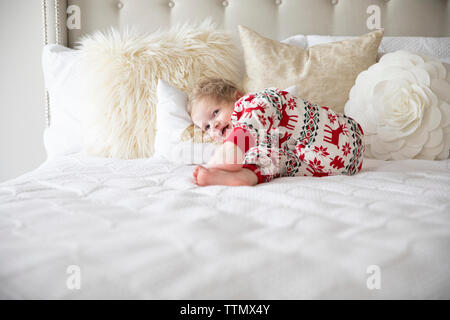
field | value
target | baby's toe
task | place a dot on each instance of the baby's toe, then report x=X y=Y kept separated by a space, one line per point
x=195 y=173
x=202 y=176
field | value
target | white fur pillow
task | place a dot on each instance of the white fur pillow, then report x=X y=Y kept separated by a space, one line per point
x=121 y=72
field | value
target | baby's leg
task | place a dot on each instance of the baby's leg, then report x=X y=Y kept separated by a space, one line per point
x=220 y=176
x=337 y=149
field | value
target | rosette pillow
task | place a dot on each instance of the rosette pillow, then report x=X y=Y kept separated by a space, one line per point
x=402 y=104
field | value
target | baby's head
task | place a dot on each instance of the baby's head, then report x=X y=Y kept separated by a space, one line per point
x=211 y=105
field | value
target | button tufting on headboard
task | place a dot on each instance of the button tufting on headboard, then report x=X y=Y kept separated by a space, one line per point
x=276 y=19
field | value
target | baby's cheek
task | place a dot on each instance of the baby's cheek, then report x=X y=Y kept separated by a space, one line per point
x=224 y=118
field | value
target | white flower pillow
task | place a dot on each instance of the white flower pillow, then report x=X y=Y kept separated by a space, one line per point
x=403 y=105
x=177 y=139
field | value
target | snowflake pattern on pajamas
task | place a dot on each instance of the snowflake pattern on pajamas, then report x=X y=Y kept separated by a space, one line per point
x=295 y=137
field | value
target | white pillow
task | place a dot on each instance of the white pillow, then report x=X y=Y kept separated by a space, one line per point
x=438 y=47
x=433 y=46
x=172 y=119
x=298 y=40
x=61 y=74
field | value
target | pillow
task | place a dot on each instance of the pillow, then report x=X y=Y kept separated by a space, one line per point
x=323 y=74
x=402 y=104
x=172 y=141
x=121 y=71
x=433 y=46
x=177 y=139
x=298 y=40
x=61 y=68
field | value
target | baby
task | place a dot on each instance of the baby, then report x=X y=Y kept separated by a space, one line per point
x=269 y=134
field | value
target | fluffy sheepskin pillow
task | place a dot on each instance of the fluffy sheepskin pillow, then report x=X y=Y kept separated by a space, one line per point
x=121 y=72
x=402 y=104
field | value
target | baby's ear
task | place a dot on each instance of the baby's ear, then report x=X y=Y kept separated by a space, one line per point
x=238 y=94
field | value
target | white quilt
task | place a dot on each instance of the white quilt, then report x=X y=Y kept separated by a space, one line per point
x=142 y=229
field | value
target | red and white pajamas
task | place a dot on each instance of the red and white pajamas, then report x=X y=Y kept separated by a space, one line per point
x=283 y=135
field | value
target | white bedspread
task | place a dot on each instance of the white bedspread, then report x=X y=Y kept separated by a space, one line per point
x=141 y=229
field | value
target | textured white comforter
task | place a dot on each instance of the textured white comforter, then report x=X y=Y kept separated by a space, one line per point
x=141 y=229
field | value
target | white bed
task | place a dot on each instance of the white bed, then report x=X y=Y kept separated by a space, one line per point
x=142 y=229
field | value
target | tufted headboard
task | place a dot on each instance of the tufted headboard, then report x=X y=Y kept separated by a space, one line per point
x=65 y=21
x=277 y=19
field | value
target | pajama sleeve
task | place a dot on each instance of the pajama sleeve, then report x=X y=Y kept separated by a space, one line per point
x=241 y=138
x=257 y=116
x=255 y=113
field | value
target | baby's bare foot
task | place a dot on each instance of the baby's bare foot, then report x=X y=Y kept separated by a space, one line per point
x=213 y=176
x=195 y=173
x=203 y=177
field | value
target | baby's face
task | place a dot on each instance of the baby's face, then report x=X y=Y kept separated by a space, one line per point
x=213 y=117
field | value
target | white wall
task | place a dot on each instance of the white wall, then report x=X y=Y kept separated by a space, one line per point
x=22 y=118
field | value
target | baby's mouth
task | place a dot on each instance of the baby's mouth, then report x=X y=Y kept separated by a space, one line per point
x=224 y=129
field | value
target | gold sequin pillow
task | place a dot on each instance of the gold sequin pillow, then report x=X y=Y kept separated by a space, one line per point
x=323 y=73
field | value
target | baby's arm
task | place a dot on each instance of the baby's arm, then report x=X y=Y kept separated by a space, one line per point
x=233 y=150
x=227 y=155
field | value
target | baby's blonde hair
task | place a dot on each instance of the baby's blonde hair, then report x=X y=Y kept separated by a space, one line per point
x=215 y=88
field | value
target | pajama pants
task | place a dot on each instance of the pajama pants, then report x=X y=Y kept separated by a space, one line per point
x=294 y=137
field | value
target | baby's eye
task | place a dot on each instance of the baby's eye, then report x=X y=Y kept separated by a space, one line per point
x=215 y=112
x=207 y=127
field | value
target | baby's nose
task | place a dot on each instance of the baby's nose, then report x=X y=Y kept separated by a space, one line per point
x=216 y=124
